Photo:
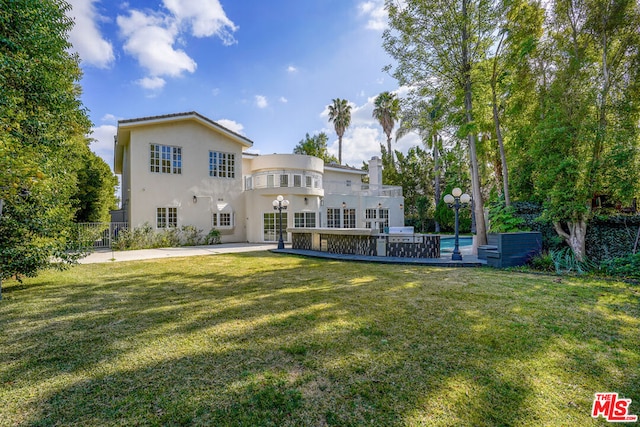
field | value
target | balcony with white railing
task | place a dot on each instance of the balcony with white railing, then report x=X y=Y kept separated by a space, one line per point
x=358 y=188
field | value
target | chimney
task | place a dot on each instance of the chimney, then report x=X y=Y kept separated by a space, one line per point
x=375 y=173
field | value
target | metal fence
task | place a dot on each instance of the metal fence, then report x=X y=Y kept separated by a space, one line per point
x=100 y=234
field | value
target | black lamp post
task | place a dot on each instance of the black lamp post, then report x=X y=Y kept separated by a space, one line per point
x=456 y=200
x=279 y=204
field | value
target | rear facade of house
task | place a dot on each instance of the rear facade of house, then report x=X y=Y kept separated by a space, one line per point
x=185 y=169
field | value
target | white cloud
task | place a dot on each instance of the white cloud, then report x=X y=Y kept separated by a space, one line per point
x=150 y=39
x=231 y=125
x=110 y=118
x=261 y=101
x=283 y=100
x=85 y=35
x=292 y=69
x=151 y=83
x=206 y=18
x=151 y=36
x=376 y=14
x=102 y=143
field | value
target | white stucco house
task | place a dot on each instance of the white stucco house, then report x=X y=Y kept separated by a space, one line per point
x=185 y=169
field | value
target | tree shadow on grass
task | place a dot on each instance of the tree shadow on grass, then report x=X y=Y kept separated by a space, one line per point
x=321 y=343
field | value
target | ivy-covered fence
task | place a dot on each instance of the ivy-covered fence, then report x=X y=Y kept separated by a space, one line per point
x=608 y=237
x=612 y=237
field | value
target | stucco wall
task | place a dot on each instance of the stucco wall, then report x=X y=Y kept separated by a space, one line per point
x=149 y=190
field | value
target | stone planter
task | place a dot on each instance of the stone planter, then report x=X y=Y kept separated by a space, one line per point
x=510 y=249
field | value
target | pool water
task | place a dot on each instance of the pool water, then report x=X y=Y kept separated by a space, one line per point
x=447 y=243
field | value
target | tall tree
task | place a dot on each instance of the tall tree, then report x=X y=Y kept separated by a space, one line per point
x=589 y=109
x=95 y=193
x=386 y=110
x=315 y=145
x=340 y=115
x=42 y=135
x=426 y=118
x=440 y=43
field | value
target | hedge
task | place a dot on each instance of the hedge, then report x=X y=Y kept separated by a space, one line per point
x=608 y=237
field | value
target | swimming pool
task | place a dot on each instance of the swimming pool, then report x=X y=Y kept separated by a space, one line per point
x=447 y=243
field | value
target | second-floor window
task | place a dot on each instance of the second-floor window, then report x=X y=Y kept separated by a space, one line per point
x=222 y=165
x=165 y=159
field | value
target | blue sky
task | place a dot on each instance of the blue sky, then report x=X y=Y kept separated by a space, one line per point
x=265 y=69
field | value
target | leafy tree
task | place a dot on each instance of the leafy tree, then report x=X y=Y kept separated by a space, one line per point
x=42 y=135
x=315 y=145
x=340 y=115
x=426 y=118
x=440 y=44
x=95 y=192
x=586 y=142
x=386 y=111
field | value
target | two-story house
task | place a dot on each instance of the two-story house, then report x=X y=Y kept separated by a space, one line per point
x=185 y=169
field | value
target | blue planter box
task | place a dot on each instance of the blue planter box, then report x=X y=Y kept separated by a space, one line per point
x=510 y=249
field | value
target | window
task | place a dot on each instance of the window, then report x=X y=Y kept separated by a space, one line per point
x=248 y=183
x=348 y=183
x=270 y=181
x=222 y=220
x=222 y=165
x=284 y=180
x=297 y=180
x=308 y=181
x=370 y=216
x=349 y=218
x=166 y=217
x=165 y=159
x=333 y=218
x=383 y=216
x=304 y=219
x=271 y=226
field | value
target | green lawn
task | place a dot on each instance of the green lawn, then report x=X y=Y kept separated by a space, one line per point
x=264 y=339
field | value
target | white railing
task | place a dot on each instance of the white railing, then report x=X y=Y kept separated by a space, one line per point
x=355 y=188
x=99 y=234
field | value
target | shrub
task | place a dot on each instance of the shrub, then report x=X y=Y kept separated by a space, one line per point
x=145 y=237
x=213 y=238
x=627 y=267
x=565 y=261
x=191 y=236
x=542 y=262
x=502 y=219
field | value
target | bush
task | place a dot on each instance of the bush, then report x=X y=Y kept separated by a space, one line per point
x=627 y=267
x=565 y=261
x=191 y=236
x=145 y=237
x=542 y=262
x=502 y=219
x=213 y=238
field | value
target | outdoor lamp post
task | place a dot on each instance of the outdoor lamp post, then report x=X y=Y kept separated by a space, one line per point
x=279 y=204
x=456 y=200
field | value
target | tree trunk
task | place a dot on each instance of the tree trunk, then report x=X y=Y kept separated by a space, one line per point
x=389 y=147
x=339 y=149
x=503 y=156
x=436 y=170
x=496 y=121
x=481 y=230
x=575 y=238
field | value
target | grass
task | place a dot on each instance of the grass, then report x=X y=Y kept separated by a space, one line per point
x=261 y=339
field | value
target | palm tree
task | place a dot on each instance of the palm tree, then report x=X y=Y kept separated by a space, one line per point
x=386 y=112
x=340 y=115
x=426 y=119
